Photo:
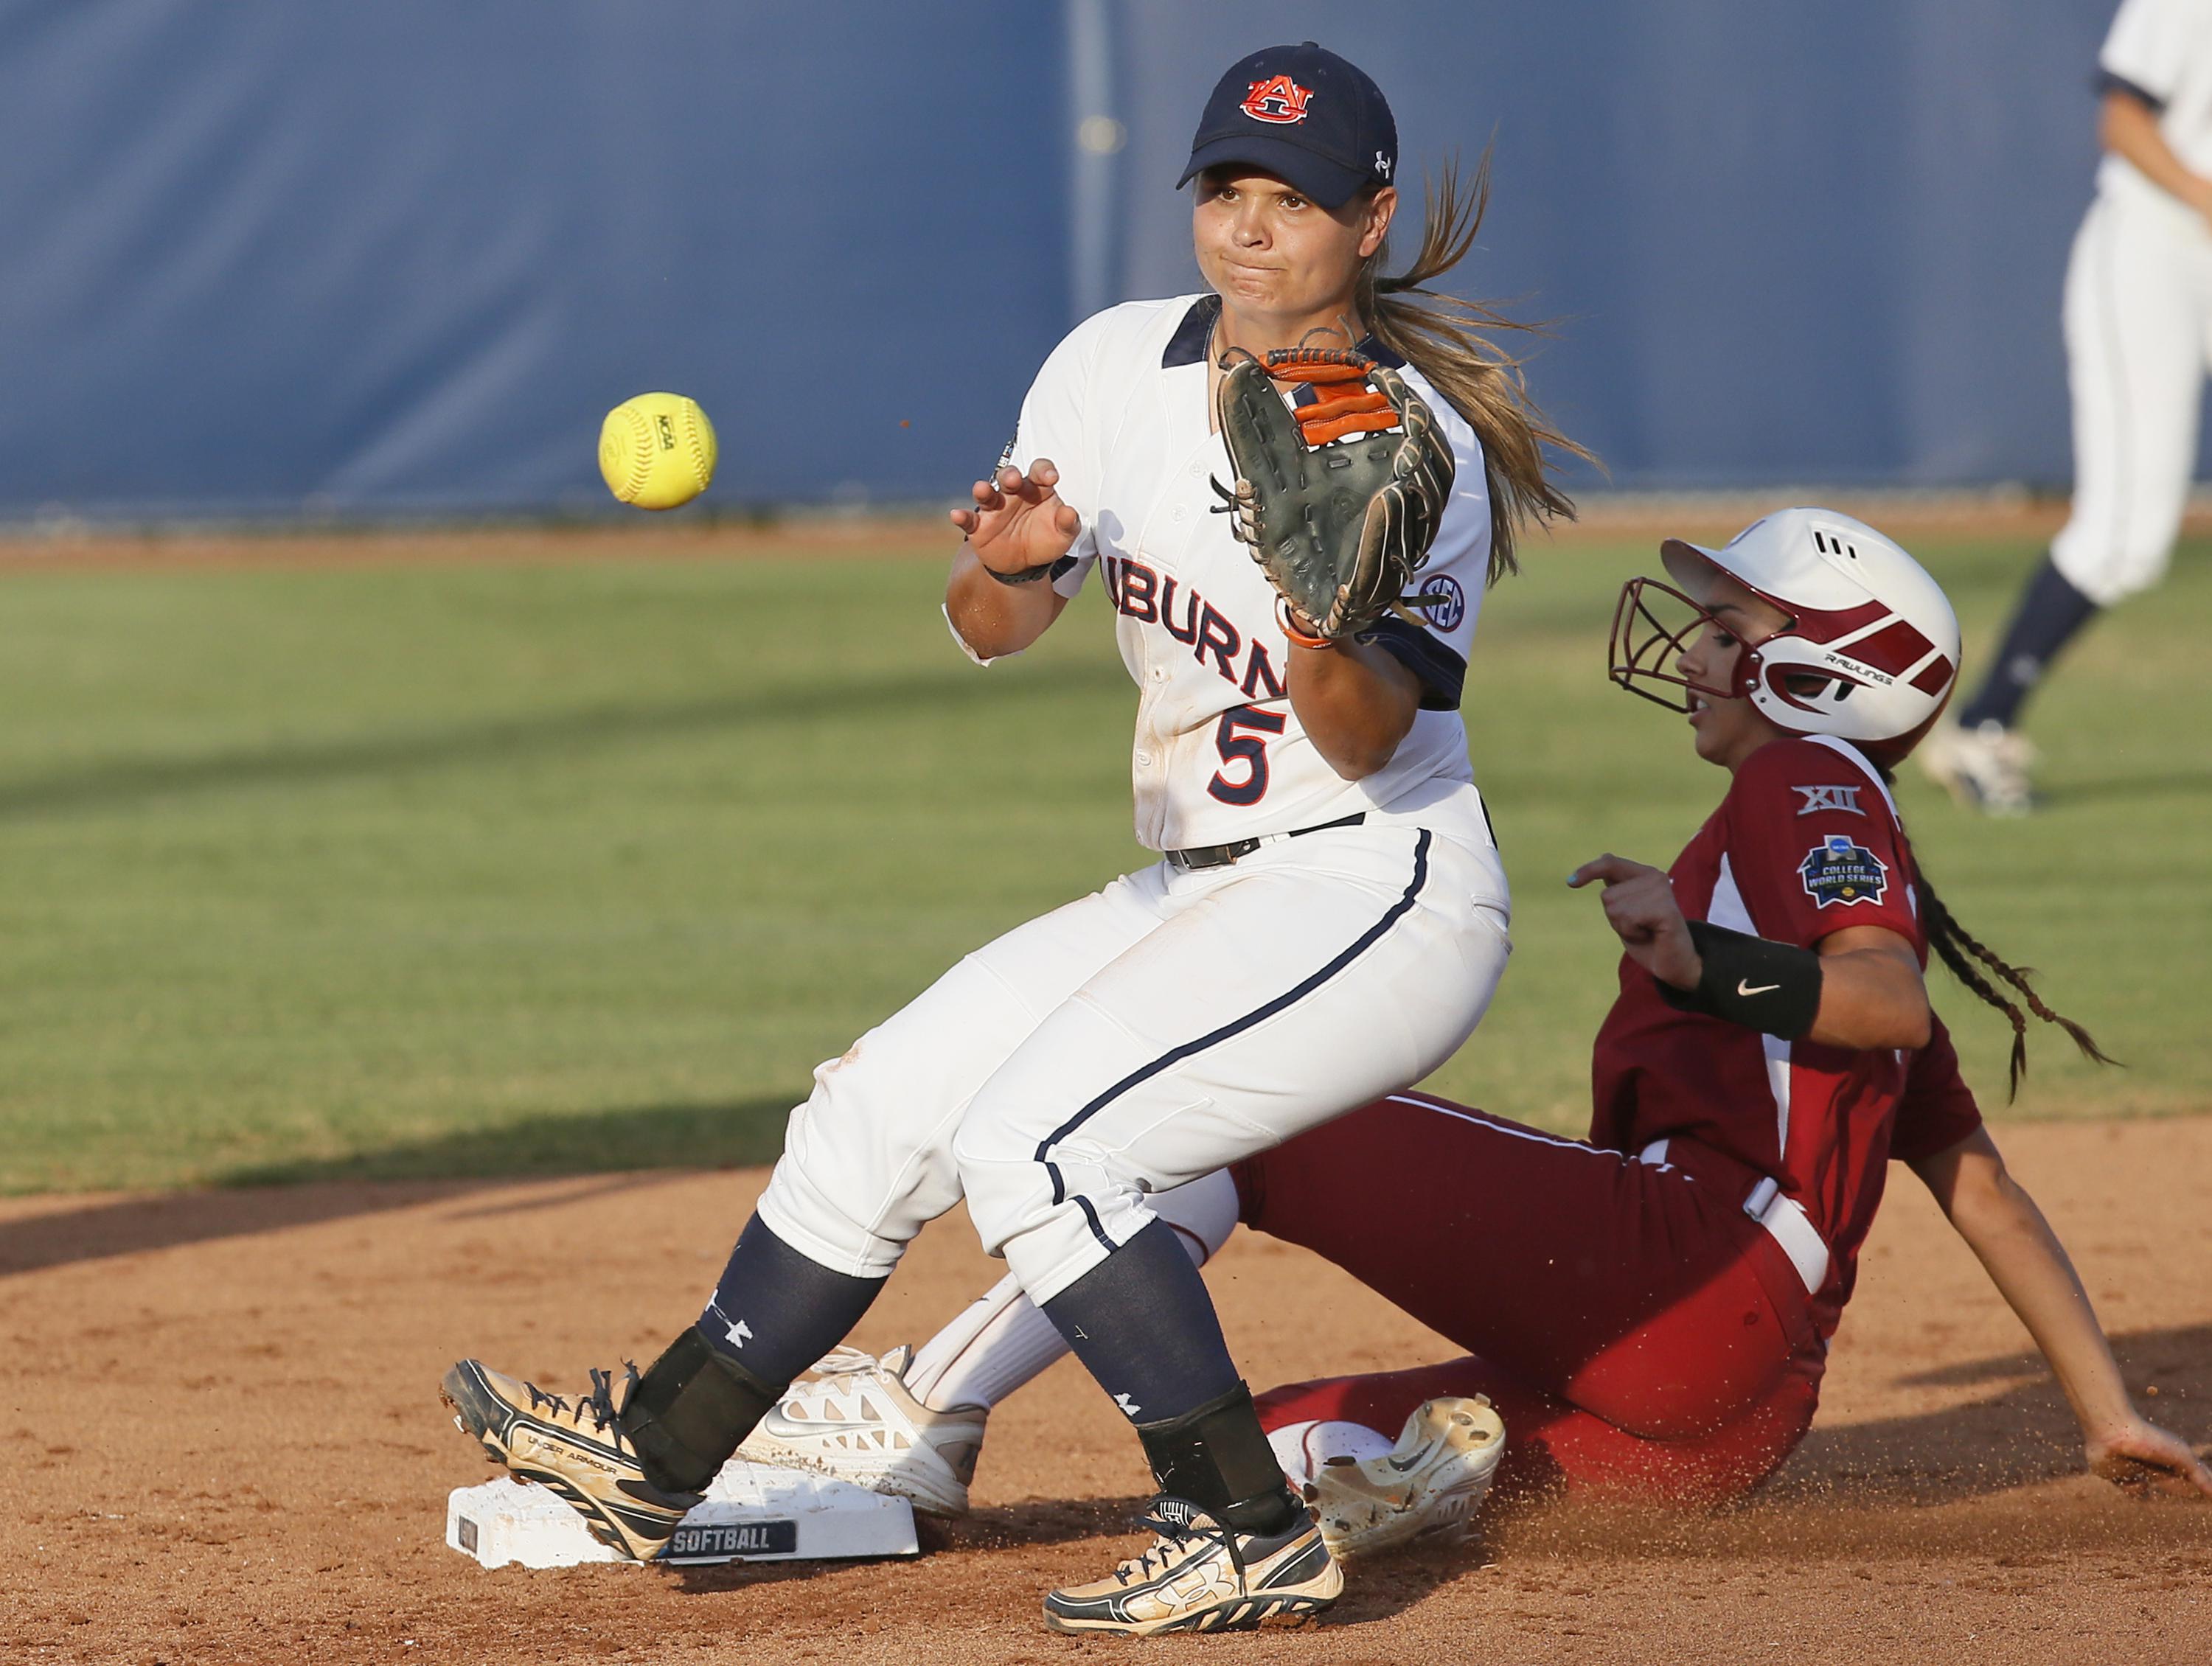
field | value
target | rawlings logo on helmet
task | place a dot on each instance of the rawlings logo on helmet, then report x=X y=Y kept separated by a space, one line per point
x=1277 y=99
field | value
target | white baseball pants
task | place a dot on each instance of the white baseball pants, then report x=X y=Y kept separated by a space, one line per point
x=2138 y=315
x=1136 y=1039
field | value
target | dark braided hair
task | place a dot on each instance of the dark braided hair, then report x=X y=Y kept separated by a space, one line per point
x=1959 y=949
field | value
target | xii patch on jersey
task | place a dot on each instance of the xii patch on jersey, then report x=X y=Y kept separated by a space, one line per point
x=1837 y=870
x=1816 y=799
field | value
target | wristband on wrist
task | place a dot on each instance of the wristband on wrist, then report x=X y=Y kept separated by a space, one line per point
x=1764 y=986
x=1028 y=575
x=1298 y=638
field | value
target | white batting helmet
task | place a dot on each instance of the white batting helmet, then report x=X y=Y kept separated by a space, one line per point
x=1871 y=651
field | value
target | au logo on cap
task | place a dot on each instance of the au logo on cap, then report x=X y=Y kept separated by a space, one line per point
x=1277 y=99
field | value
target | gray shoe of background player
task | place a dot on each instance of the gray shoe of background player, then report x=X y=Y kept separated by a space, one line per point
x=1984 y=768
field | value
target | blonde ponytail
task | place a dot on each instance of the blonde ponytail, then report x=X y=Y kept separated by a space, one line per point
x=1443 y=337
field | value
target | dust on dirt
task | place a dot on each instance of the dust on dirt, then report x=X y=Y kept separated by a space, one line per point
x=219 y=1418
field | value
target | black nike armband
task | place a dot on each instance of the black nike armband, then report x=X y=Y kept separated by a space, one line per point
x=1773 y=988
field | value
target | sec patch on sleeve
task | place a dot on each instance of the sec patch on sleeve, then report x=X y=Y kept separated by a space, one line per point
x=1837 y=869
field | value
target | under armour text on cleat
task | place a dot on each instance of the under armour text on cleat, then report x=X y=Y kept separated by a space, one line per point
x=1200 y=1575
x=1423 y=1490
x=857 y=1421
x=573 y=1445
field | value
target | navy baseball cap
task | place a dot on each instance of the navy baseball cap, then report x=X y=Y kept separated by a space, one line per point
x=1304 y=115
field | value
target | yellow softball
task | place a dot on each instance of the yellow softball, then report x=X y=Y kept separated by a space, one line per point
x=657 y=451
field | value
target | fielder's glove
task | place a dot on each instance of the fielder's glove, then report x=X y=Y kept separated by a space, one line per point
x=1339 y=498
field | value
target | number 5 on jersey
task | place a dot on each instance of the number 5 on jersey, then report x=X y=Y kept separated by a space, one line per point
x=1250 y=750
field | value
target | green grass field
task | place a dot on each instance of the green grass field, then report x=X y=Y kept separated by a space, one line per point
x=411 y=870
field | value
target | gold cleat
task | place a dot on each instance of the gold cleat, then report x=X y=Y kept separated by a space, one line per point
x=1202 y=1576
x=576 y=1447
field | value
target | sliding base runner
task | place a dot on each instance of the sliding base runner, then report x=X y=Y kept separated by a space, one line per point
x=752 y=1513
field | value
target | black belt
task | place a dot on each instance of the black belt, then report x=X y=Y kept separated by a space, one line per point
x=1220 y=856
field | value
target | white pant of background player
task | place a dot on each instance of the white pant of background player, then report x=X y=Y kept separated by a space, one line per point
x=2138 y=342
x=1142 y=1037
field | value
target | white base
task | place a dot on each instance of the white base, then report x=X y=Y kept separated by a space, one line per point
x=754 y=1512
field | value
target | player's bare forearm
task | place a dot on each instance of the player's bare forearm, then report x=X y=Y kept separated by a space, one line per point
x=2128 y=129
x=993 y=618
x=1356 y=702
x=2030 y=1267
x=1872 y=994
x=2008 y=1234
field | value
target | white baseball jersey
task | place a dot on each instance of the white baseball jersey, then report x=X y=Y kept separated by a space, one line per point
x=2161 y=51
x=1121 y=407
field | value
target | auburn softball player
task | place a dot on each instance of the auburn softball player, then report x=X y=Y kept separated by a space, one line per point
x=1649 y=1309
x=2138 y=316
x=1327 y=920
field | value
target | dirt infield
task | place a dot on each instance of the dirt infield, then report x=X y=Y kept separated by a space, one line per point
x=222 y=1427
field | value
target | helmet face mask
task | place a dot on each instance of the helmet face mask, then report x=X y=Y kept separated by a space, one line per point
x=1869 y=653
x=1648 y=643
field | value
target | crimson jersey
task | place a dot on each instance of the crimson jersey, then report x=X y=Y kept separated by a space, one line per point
x=1806 y=843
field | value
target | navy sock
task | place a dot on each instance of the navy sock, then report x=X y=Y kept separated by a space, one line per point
x=777 y=1311
x=2051 y=612
x=1143 y=1324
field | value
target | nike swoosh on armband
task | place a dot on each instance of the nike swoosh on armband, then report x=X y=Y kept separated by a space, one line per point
x=1744 y=986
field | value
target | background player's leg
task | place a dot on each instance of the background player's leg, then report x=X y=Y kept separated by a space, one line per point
x=2050 y=614
x=2134 y=326
x=2135 y=333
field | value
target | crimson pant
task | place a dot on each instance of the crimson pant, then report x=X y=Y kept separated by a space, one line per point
x=1640 y=1335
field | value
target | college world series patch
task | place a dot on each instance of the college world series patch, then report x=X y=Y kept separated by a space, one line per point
x=1837 y=870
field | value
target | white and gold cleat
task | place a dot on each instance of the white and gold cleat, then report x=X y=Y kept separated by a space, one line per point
x=1424 y=1491
x=856 y=1420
